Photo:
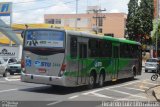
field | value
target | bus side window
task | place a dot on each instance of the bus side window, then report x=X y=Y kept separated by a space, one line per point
x=93 y=46
x=105 y=48
x=73 y=47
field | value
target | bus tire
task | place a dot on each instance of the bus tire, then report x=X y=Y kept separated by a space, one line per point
x=5 y=74
x=92 y=80
x=134 y=73
x=101 y=79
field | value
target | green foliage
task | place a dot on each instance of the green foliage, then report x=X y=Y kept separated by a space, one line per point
x=156 y=31
x=139 y=20
x=132 y=19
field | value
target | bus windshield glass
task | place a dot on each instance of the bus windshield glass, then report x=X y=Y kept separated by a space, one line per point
x=44 y=38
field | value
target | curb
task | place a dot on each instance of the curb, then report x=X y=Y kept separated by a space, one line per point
x=155 y=95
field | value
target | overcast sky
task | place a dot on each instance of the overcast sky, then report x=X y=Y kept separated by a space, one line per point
x=32 y=11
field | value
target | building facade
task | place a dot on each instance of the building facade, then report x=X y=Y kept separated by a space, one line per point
x=106 y=23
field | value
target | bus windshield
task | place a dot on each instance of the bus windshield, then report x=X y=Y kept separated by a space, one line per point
x=44 y=38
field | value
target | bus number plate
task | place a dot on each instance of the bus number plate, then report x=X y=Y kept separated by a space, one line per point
x=42 y=70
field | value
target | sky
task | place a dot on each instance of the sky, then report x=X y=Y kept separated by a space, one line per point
x=32 y=11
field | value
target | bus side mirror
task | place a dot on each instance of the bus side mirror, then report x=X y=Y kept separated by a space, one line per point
x=22 y=34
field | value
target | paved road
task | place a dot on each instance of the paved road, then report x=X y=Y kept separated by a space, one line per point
x=11 y=89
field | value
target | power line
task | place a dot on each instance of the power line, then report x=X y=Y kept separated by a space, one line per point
x=43 y=7
x=28 y=1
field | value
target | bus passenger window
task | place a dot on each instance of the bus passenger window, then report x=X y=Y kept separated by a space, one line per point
x=94 y=48
x=73 y=47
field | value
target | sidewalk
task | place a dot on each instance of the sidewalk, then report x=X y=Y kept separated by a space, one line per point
x=156 y=93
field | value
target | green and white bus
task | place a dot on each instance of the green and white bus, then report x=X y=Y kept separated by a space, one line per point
x=71 y=58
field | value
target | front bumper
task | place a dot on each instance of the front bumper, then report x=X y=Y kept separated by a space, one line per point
x=14 y=70
x=150 y=68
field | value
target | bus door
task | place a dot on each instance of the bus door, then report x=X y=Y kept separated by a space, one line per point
x=82 y=50
x=115 y=59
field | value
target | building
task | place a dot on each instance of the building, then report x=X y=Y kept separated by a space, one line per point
x=106 y=23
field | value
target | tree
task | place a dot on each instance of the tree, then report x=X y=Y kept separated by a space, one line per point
x=146 y=12
x=133 y=22
x=139 y=20
x=156 y=32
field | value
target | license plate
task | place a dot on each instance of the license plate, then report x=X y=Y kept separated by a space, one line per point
x=13 y=70
x=42 y=70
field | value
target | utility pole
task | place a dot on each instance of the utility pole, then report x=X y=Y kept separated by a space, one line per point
x=11 y=17
x=76 y=14
x=97 y=17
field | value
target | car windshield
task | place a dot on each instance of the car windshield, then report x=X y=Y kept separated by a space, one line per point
x=152 y=60
x=5 y=60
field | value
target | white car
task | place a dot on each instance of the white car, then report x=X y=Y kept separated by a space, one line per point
x=151 y=64
x=4 y=63
x=10 y=61
x=3 y=67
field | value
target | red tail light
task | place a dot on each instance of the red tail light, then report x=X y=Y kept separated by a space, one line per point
x=63 y=67
x=22 y=63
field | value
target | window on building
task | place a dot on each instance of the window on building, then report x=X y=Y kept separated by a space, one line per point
x=49 y=21
x=100 y=30
x=100 y=21
x=57 y=21
x=78 y=19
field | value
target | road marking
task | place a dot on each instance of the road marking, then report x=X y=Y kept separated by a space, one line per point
x=50 y=104
x=11 y=79
x=8 y=90
x=94 y=91
x=128 y=94
x=101 y=95
x=135 y=89
x=122 y=99
x=123 y=85
x=73 y=97
x=90 y=92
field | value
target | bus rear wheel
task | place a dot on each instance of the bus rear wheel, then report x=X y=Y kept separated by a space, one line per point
x=101 y=80
x=92 y=81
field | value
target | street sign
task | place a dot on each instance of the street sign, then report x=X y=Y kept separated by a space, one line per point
x=5 y=8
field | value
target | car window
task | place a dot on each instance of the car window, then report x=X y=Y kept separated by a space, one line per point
x=11 y=61
x=152 y=60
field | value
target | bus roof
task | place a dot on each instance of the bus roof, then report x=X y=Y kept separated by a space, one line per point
x=121 y=40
